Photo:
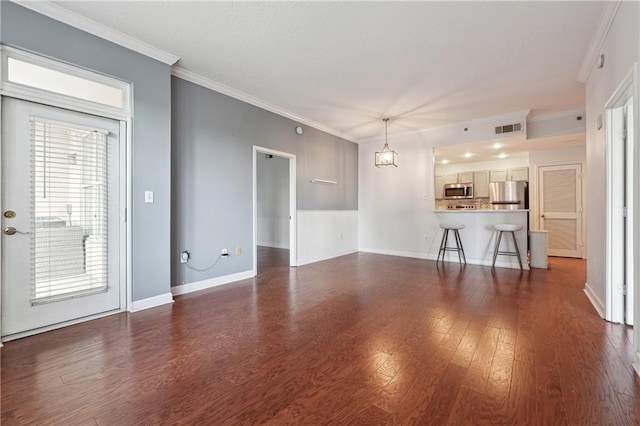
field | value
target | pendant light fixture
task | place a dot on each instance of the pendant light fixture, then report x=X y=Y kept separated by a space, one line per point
x=386 y=157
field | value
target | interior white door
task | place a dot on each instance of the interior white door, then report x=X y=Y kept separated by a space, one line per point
x=561 y=208
x=61 y=195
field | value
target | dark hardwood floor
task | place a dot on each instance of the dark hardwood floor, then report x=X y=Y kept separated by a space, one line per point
x=361 y=339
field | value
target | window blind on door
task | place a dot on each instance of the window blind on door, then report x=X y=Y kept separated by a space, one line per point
x=69 y=211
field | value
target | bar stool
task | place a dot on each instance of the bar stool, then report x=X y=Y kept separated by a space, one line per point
x=501 y=228
x=455 y=227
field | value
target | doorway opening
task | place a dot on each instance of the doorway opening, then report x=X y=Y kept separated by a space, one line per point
x=274 y=208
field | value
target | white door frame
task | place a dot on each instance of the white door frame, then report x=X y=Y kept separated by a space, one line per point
x=292 y=204
x=615 y=212
x=125 y=116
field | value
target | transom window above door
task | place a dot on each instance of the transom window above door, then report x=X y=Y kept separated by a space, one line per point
x=29 y=76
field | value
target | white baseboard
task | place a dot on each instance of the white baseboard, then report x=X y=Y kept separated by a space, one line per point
x=636 y=363
x=595 y=300
x=453 y=259
x=151 y=302
x=400 y=253
x=274 y=245
x=315 y=259
x=211 y=282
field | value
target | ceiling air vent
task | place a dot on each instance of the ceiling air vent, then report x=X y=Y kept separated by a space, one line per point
x=509 y=128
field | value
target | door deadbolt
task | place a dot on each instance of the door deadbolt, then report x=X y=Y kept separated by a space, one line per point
x=10 y=230
x=9 y=214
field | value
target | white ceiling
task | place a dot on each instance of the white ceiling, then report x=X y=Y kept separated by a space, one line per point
x=349 y=64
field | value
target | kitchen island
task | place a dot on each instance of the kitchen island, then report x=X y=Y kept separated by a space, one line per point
x=479 y=238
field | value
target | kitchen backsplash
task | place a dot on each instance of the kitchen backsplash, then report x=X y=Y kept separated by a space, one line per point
x=479 y=203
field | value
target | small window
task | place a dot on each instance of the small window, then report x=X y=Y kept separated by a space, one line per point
x=32 y=75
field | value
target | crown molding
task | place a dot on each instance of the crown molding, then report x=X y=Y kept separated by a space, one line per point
x=90 y=26
x=200 y=80
x=606 y=19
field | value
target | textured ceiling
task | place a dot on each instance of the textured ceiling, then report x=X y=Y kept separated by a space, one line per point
x=348 y=64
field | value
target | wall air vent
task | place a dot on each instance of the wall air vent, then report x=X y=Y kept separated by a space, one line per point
x=509 y=128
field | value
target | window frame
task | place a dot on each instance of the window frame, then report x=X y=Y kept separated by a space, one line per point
x=21 y=91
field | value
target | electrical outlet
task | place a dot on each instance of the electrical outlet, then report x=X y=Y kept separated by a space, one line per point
x=184 y=257
x=238 y=251
x=224 y=252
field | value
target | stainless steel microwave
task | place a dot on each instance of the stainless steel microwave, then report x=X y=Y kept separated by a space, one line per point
x=458 y=190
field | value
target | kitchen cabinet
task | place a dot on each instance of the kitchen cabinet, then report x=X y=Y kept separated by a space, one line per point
x=439 y=187
x=465 y=177
x=481 y=184
x=518 y=173
x=521 y=173
x=497 y=175
x=451 y=178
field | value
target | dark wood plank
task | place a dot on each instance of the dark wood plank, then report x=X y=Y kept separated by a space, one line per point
x=360 y=339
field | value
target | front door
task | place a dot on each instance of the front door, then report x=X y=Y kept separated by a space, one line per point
x=561 y=208
x=61 y=199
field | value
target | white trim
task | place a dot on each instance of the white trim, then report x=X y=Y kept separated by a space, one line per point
x=452 y=259
x=1 y=198
x=614 y=271
x=151 y=302
x=123 y=236
x=129 y=215
x=595 y=300
x=315 y=259
x=273 y=245
x=46 y=97
x=90 y=26
x=200 y=80
x=59 y=325
x=636 y=363
x=211 y=282
x=599 y=37
x=293 y=212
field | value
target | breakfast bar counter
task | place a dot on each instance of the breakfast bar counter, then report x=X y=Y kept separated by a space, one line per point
x=479 y=236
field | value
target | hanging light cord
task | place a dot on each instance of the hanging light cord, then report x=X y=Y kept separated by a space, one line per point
x=386 y=144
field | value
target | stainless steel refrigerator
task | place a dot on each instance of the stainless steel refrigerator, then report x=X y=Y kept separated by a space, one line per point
x=509 y=195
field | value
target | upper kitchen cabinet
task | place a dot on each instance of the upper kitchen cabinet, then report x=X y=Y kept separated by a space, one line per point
x=517 y=173
x=520 y=173
x=498 y=175
x=465 y=177
x=481 y=184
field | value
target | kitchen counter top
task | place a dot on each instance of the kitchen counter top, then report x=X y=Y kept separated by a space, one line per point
x=479 y=211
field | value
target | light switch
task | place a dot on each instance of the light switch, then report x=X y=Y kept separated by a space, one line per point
x=148 y=196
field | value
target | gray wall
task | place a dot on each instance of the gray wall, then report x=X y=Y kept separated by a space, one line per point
x=31 y=31
x=213 y=137
x=272 y=201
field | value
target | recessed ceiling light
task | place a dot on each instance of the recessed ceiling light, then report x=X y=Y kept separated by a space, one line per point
x=497 y=145
x=502 y=155
x=445 y=161
x=468 y=155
